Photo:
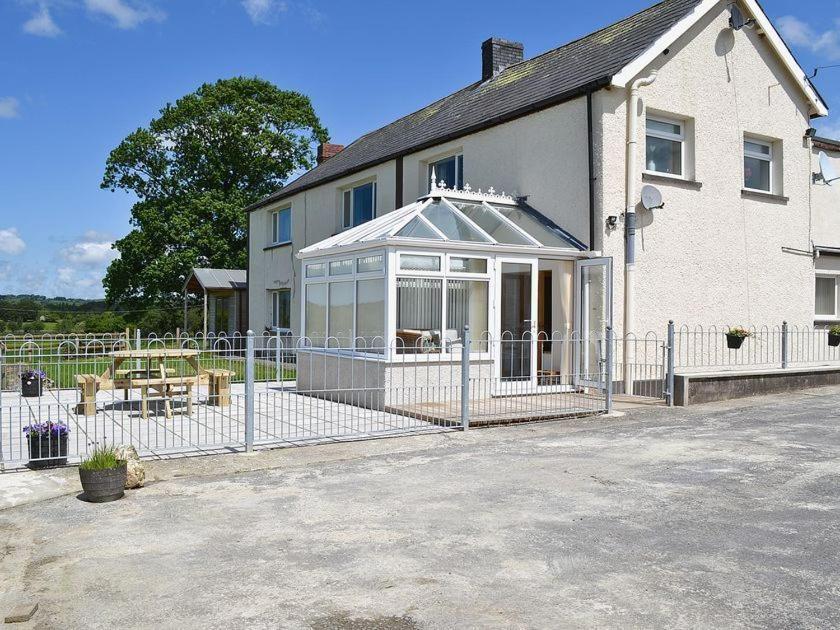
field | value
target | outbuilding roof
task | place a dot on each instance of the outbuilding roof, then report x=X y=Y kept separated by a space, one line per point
x=216 y=279
x=586 y=64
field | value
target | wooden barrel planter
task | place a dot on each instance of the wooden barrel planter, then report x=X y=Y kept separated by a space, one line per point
x=101 y=486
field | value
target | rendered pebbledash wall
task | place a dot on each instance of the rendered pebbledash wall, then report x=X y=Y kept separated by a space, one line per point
x=714 y=255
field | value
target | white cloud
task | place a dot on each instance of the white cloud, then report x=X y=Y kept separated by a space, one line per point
x=9 y=107
x=801 y=34
x=42 y=23
x=10 y=242
x=124 y=15
x=91 y=250
x=264 y=11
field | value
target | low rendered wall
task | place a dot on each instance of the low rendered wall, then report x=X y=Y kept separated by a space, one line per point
x=694 y=389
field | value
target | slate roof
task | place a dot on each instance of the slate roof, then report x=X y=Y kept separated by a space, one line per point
x=558 y=75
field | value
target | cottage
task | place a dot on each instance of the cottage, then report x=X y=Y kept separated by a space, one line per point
x=700 y=99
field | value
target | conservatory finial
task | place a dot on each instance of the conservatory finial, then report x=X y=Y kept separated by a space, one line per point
x=433 y=180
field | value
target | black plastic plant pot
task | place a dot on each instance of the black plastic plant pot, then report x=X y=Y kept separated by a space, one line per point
x=31 y=387
x=47 y=451
x=101 y=486
x=833 y=340
x=734 y=342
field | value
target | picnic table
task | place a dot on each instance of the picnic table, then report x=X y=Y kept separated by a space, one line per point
x=151 y=376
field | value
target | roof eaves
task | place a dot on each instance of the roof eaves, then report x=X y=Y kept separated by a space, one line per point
x=557 y=99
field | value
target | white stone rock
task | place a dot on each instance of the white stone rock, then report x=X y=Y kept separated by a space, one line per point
x=136 y=471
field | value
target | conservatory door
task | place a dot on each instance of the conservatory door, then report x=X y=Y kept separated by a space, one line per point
x=515 y=352
x=593 y=288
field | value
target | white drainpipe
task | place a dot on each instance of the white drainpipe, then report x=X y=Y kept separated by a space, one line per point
x=630 y=228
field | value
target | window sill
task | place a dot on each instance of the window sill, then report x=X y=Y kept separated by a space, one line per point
x=762 y=195
x=276 y=245
x=671 y=179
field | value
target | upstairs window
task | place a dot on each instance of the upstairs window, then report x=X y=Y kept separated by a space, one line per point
x=281 y=226
x=758 y=165
x=448 y=170
x=665 y=146
x=358 y=204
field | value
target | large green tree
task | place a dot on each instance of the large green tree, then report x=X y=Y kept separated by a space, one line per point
x=193 y=170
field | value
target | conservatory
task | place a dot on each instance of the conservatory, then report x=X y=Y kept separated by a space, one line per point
x=395 y=293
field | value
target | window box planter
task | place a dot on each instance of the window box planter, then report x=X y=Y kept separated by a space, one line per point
x=834 y=337
x=735 y=338
x=32 y=383
x=102 y=486
x=47 y=443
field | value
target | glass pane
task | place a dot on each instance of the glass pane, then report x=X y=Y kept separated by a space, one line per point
x=664 y=156
x=468 y=265
x=316 y=270
x=419 y=314
x=516 y=321
x=453 y=226
x=281 y=303
x=370 y=315
x=274 y=227
x=348 y=208
x=488 y=221
x=412 y=262
x=341 y=267
x=417 y=229
x=825 y=296
x=756 y=174
x=445 y=172
x=362 y=204
x=594 y=311
x=341 y=315
x=535 y=227
x=664 y=127
x=316 y=314
x=754 y=147
x=466 y=303
x=367 y=264
x=284 y=226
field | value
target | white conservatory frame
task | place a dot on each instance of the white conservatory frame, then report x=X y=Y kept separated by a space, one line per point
x=381 y=236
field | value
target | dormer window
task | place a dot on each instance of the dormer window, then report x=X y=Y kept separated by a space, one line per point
x=448 y=170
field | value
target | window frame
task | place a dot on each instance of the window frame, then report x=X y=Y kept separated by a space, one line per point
x=275 y=226
x=459 y=170
x=831 y=276
x=664 y=135
x=769 y=158
x=348 y=212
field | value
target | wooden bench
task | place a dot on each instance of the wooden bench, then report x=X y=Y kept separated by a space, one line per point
x=166 y=389
x=88 y=386
x=218 y=382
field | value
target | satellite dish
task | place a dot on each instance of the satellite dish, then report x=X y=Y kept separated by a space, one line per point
x=651 y=198
x=827 y=172
x=737 y=21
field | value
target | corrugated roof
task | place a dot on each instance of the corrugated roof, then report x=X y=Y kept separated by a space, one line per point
x=533 y=84
x=219 y=279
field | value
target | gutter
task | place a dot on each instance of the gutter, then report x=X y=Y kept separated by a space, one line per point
x=581 y=90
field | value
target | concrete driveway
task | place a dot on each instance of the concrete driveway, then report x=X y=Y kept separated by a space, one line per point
x=726 y=515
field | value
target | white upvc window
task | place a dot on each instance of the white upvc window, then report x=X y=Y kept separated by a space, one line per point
x=448 y=171
x=665 y=146
x=758 y=164
x=825 y=298
x=281 y=308
x=358 y=204
x=281 y=226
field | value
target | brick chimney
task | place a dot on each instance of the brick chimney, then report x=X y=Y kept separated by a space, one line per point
x=497 y=54
x=327 y=150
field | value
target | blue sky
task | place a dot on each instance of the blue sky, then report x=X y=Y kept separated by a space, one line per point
x=76 y=76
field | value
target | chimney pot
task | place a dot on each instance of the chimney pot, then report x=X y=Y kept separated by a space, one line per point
x=497 y=54
x=326 y=150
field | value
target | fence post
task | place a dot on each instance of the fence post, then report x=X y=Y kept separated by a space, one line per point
x=249 y=391
x=138 y=363
x=785 y=357
x=608 y=376
x=2 y=465
x=277 y=364
x=465 y=378
x=670 y=356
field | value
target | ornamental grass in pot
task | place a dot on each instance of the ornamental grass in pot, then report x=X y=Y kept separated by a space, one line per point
x=47 y=444
x=735 y=337
x=103 y=475
x=834 y=336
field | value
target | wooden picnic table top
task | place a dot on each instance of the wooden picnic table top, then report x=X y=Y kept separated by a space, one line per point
x=155 y=353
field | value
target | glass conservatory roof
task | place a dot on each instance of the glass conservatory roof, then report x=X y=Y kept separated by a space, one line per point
x=458 y=217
